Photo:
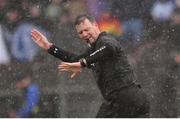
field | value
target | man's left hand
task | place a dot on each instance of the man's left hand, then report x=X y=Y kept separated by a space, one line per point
x=75 y=68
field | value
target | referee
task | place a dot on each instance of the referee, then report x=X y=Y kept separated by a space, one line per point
x=124 y=97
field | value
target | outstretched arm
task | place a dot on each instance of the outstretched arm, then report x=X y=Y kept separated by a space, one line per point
x=103 y=52
x=57 y=52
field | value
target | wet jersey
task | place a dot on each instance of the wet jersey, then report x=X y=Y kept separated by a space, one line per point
x=108 y=61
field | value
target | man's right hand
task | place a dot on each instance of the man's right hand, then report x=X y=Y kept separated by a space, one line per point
x=40 y=39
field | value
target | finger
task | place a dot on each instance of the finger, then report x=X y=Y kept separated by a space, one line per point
x=62 y=66
x=72 y=76
x=34 y=29
x=35 y=32
x=34 y=35
x=38 y=33
x=65 y=70
x=65 y=63
x=35 y=38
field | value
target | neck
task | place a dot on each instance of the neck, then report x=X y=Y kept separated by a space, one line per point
x=97 y=33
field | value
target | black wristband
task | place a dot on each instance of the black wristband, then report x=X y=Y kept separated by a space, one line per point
x=53 y=49
x=57 y=52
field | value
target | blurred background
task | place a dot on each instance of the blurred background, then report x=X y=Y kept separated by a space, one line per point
x=149 y=31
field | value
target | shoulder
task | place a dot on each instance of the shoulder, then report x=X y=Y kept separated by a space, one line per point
x=106 y=38
x=24 y=27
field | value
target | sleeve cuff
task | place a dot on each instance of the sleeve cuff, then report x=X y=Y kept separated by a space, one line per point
x=52 y=50
x=83 y=62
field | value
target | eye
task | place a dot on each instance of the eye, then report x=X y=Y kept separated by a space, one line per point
x=80 y=32
x=86 y=30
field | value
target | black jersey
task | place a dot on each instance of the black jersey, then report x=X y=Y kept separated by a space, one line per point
x=107 y=60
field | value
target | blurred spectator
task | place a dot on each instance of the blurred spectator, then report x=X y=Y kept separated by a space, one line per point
x=14 y=15
x=109 y=23
x=176 y=14
x=130 y=13
x=4 y=53
x=133 y=30
x=53 y=10
x=3 y=8
x=162 y=10
x=64 y=18
x=76 y=7
x=93 y=7
x=31 y=95
x=12 y=18
x=22 y=47
x=97 y=7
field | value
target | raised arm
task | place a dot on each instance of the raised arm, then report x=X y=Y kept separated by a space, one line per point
x=57 y=52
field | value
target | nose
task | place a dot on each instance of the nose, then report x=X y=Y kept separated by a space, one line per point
x=84 y=34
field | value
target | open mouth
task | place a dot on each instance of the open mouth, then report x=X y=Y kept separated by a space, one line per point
x=87 y=40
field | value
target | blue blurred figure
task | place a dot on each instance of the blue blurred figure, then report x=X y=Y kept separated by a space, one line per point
x=22 y=47
x=31 y=97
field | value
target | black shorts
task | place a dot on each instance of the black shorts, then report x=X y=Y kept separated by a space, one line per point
x=130 y=102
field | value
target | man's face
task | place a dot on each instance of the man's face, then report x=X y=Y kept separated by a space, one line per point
x=87 y=31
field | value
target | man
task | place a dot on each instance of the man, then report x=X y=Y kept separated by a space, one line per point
x=31 y=96
x=115 y=79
